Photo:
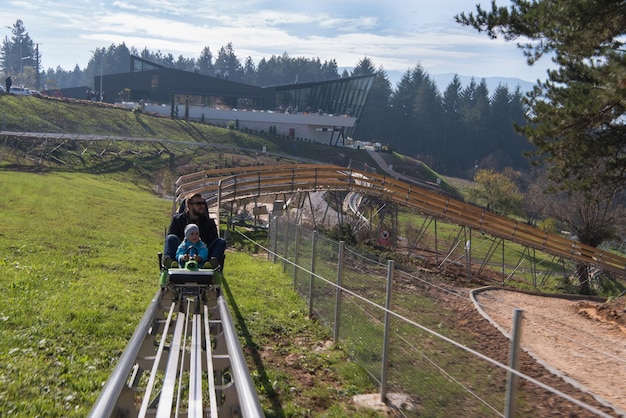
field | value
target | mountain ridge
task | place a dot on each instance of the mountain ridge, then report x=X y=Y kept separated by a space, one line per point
x=443 y=80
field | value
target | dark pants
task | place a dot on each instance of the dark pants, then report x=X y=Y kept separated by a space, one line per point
x=217 y=248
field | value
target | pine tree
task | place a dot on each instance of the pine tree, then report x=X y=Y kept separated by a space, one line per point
x=374 y=122
x=429 y=122
x=227 y=64
x=452 y=153
x=577 y=115
x=18 y=54
x=403 y=104
x=205 y=62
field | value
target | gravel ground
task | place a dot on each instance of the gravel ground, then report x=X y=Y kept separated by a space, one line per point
x=571 y=338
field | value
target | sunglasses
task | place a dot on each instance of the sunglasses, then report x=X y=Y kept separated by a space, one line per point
x=198 y=203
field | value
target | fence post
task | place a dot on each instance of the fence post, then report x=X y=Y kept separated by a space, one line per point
x=468 y=253
x=285 y=246
x=436 y=244
x=503 y=265
x=219 y=204
x=274 y=226
x=338 y=291
x=312 y=276
x=511 y=381
x=383 y=374
x=297 y=256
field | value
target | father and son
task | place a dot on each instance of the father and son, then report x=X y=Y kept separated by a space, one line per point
x=192 y=235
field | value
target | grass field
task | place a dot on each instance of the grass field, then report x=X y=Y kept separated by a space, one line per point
x=78 y=269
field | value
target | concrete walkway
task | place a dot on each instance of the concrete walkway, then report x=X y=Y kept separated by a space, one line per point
x=399 y=176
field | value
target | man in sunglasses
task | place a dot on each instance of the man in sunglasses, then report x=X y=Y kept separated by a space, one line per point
x=195 y=212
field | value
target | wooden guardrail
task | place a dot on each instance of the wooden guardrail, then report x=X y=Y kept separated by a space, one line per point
x=231 y=184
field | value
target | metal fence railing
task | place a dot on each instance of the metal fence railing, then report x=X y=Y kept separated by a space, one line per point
x=391 y=324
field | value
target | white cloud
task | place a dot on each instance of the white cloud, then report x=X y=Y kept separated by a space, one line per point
x=393 y=34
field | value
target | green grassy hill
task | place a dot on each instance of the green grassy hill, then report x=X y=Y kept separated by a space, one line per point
x=34 y=114
x=164 y=162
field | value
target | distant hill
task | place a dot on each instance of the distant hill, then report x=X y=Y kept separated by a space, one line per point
x=443 y=80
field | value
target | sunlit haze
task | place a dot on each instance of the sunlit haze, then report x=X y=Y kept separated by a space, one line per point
x=397 y=35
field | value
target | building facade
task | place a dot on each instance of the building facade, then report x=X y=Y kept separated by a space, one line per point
x=325 y=111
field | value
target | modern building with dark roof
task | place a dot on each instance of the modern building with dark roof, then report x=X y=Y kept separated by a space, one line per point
x=322 y=111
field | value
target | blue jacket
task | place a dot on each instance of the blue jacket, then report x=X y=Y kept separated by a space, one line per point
x=187 y=247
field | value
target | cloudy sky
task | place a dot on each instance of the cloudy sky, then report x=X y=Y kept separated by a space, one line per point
x=395 y=34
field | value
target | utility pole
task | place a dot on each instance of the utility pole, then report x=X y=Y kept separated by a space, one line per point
x=37 y=75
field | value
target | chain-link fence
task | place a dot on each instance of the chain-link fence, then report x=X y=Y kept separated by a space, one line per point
x=399 y=328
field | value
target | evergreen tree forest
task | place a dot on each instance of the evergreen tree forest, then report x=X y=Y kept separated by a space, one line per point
x=455 y=131
x=576 y=117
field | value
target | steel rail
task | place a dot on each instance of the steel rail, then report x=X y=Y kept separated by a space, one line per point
x=249 y=401
x=103 y=408
x=182 y=358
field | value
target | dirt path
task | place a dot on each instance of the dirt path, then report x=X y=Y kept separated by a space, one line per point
x=572 y=339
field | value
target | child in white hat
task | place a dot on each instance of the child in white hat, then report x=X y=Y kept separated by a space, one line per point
x=192 y=248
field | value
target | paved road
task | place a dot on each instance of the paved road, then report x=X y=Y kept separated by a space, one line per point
x=398 y=176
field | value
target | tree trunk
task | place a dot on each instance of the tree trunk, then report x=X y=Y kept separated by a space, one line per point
x=582 y=272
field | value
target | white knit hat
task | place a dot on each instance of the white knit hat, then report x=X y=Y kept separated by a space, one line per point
x=191 y=228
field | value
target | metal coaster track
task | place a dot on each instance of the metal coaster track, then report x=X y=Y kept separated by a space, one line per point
x=184 y=358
